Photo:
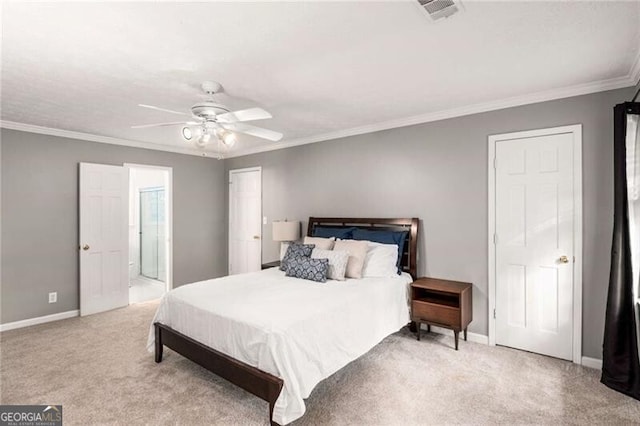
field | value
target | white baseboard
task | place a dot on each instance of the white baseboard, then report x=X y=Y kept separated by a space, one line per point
x=471 y=337
x=481 y=338
x=592 y=362
x=39 y=320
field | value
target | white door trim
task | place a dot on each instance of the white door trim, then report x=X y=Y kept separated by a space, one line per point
x=576 y=130
x=244 y=170
x=169 y=201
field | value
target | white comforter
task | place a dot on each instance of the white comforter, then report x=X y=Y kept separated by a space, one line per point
x=298 y=330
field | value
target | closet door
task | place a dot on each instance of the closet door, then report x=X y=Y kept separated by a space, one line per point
x=245 y=220
x=534 y=244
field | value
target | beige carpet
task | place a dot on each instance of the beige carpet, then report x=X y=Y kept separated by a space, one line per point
x=98 y=369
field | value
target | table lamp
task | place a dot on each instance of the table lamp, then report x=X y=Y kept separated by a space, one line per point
x=286 y=232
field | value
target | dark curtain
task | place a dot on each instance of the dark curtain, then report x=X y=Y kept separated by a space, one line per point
x=620 y=362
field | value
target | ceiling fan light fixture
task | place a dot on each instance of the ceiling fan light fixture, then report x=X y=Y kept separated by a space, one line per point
x=203 y=140
x=187 y=133
x=228 y=138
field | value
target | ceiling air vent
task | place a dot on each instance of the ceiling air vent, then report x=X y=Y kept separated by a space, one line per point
x=438 y=9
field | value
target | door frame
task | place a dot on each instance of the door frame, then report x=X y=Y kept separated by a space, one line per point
x=244 y=170
x=169 y=215
x=576 y=131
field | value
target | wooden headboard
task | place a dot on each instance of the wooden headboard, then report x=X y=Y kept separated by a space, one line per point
x=409 y=252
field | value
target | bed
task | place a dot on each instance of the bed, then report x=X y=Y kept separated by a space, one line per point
x=277 y=336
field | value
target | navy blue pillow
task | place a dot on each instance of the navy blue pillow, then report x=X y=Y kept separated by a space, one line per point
x=296 y=250
x=328 y=232
x=384 y=237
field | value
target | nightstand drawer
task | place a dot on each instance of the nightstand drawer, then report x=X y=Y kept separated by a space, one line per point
x=439 y=314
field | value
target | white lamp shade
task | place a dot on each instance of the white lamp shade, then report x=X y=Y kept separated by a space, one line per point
x=286 y=231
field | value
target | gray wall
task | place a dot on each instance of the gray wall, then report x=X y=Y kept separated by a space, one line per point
x=435 y=171
x=40 y=218
x=438 y=172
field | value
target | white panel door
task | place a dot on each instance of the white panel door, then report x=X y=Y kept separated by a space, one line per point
x=245 y=221
x=104 y=257
x=534 y=244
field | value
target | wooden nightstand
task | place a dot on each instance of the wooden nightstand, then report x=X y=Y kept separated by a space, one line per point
x=273 y=264
x=442 y=303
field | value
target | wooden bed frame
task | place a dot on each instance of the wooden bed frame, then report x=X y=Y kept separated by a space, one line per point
x=264 y=385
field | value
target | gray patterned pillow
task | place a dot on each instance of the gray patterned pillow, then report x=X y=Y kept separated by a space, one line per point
x=307 y=268
x=337 y=262
x=296 y=250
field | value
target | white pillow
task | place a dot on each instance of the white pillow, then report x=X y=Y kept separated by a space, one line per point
x=381 y=260
x=337 y=262
x=283 y=250
x=321 y=243
x=357 y=253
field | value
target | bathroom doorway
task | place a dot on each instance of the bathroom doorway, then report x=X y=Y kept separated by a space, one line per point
x=152 y=233
x=150 y=226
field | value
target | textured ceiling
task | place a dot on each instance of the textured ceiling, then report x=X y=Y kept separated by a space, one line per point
x=321 y=68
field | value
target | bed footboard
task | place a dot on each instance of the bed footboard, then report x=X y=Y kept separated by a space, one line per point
x=263 y=385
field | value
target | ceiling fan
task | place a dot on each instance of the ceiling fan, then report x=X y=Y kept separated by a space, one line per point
x=212 y=120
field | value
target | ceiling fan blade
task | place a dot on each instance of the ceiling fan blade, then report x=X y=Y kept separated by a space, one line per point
x=144 y=126
x=162 y=109
x=253 y=131
x=243 y=115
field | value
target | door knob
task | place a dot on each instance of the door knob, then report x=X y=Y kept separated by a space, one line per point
x=564 y=259
x=85 y=247
x=256 y=237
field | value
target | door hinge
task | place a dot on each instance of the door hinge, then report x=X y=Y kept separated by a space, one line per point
x=495 y=238
x=494 y=313
x=495 y=163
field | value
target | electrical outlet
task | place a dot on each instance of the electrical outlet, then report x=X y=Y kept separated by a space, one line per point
x=264 y=220
x=53 y=297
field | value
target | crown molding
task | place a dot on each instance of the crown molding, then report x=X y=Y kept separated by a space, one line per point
x=547 y=95
x=631 y=79
x=32 y=128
